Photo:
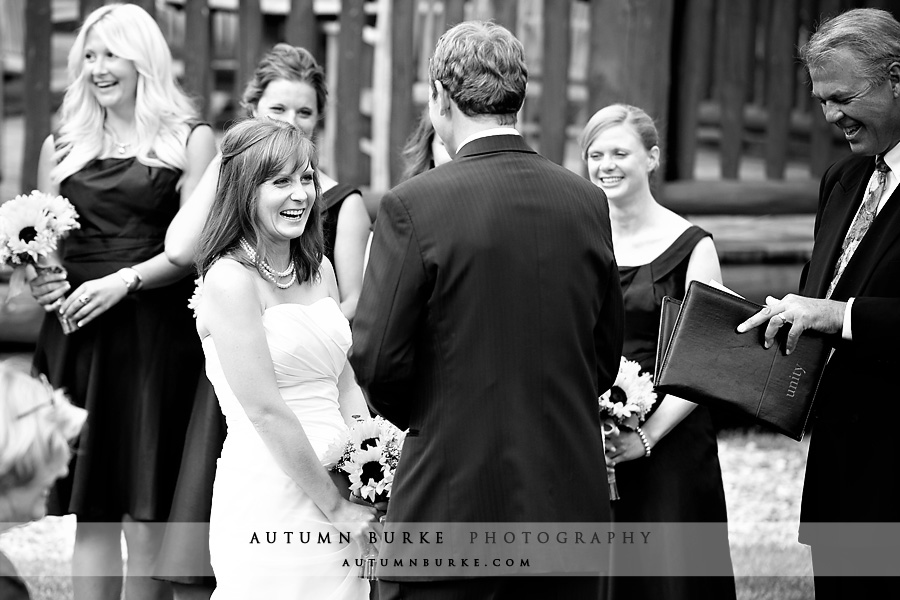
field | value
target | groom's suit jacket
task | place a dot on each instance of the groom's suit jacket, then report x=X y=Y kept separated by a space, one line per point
x=853 y=470
x=489 y=322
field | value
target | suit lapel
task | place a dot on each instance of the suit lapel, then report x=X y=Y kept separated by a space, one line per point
x=882 y=234
x=842 y=204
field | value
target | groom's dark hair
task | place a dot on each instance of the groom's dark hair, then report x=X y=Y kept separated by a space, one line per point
x=482 y=67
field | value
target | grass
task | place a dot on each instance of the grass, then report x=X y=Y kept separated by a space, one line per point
x=763 y=477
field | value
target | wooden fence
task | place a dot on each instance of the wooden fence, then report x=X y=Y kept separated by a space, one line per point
x=720 y=76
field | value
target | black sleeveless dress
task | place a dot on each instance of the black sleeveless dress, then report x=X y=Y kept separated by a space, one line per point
x=136 y=366
x=332 y=200
x=184 y=557
x=681 y=481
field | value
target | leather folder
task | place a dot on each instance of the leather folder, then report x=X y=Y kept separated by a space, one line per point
x=702 y=358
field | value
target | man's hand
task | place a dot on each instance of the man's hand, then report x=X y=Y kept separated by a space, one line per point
x=801 y=313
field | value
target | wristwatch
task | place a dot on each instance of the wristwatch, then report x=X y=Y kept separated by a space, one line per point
x=132 y=279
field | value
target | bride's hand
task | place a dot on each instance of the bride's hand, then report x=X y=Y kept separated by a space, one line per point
x=359 y=520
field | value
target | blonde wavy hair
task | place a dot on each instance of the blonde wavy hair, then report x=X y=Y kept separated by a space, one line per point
x=163 y=112
x=36 y=425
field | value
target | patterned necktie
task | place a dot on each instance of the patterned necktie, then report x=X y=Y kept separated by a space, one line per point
x=861 y=221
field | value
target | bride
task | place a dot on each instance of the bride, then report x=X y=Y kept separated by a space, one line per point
x=276 y=347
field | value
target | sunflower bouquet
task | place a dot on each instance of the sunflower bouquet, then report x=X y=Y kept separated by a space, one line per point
x=625 y=406
x=368 y=453
x=30 y=229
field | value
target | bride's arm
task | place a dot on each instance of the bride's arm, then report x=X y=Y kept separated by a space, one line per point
x=231 y=312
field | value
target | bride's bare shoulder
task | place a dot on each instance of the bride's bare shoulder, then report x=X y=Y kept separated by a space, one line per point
x=229 y=281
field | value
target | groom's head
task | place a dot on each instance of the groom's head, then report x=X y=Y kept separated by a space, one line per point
x=481 y=67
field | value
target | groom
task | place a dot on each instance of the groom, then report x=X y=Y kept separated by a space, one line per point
x=489 y=322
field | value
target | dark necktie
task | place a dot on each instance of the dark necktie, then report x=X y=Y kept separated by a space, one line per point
x=862 y=221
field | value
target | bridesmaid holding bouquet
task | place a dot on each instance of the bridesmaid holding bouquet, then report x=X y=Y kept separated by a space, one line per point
x=667 y=471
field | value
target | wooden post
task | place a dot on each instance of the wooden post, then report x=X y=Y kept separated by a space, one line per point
x=36 y=78
x=693 y=67
x=750 y=51
x=2 y=112
x=249 y=46
x=301 y=27
x=554 y=103
x=821 y=135
x=782 y=32
x=403 y=76
x=349 y=163
x=506 y=12
x=623 y=65
x=454 y=12
x=86 y=7
x=149 y=6
x=198 y=54
x=734 y=18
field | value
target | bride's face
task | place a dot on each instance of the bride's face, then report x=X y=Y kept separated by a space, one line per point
x=284 y=204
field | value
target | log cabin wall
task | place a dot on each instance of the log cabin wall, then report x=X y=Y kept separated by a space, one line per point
x=720 y=77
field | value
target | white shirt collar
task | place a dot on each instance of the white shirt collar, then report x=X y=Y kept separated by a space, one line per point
x=892 y=158
x=487 y=133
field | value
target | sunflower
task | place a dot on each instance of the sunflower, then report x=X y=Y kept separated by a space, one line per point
x=369 y=453
x=30 y=227
x=632 y=394
x=338 y=453
x=370 y=478
x=365 y=433
x=23 y=229
x=63 y=216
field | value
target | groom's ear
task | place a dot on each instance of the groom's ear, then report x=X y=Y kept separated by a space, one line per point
x=441 y=98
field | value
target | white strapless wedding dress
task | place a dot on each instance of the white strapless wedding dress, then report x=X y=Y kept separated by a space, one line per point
x=267 y=539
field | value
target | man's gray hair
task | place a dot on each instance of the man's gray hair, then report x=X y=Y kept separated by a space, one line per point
x=871 y=34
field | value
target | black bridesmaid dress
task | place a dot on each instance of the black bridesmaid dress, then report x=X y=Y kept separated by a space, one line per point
x=135 y=367
x=681 y=481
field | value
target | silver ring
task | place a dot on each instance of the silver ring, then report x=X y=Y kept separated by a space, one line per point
x=84 y=298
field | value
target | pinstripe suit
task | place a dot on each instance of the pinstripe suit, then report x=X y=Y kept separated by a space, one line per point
x=490 y=320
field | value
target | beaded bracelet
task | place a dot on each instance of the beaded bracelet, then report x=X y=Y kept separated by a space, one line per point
x=643 y=441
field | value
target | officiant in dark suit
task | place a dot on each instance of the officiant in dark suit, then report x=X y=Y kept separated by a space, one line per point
x=851 y=290
x=490 y=320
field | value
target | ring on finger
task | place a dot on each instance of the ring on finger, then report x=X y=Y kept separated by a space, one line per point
x=84 y=298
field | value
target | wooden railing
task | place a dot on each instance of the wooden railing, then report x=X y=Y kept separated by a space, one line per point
x=720 y=76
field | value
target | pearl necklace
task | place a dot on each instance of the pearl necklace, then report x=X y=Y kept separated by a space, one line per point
x=267 y=271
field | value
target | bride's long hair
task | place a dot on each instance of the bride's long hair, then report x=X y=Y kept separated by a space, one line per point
x=163 y=113
x=254 y=151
